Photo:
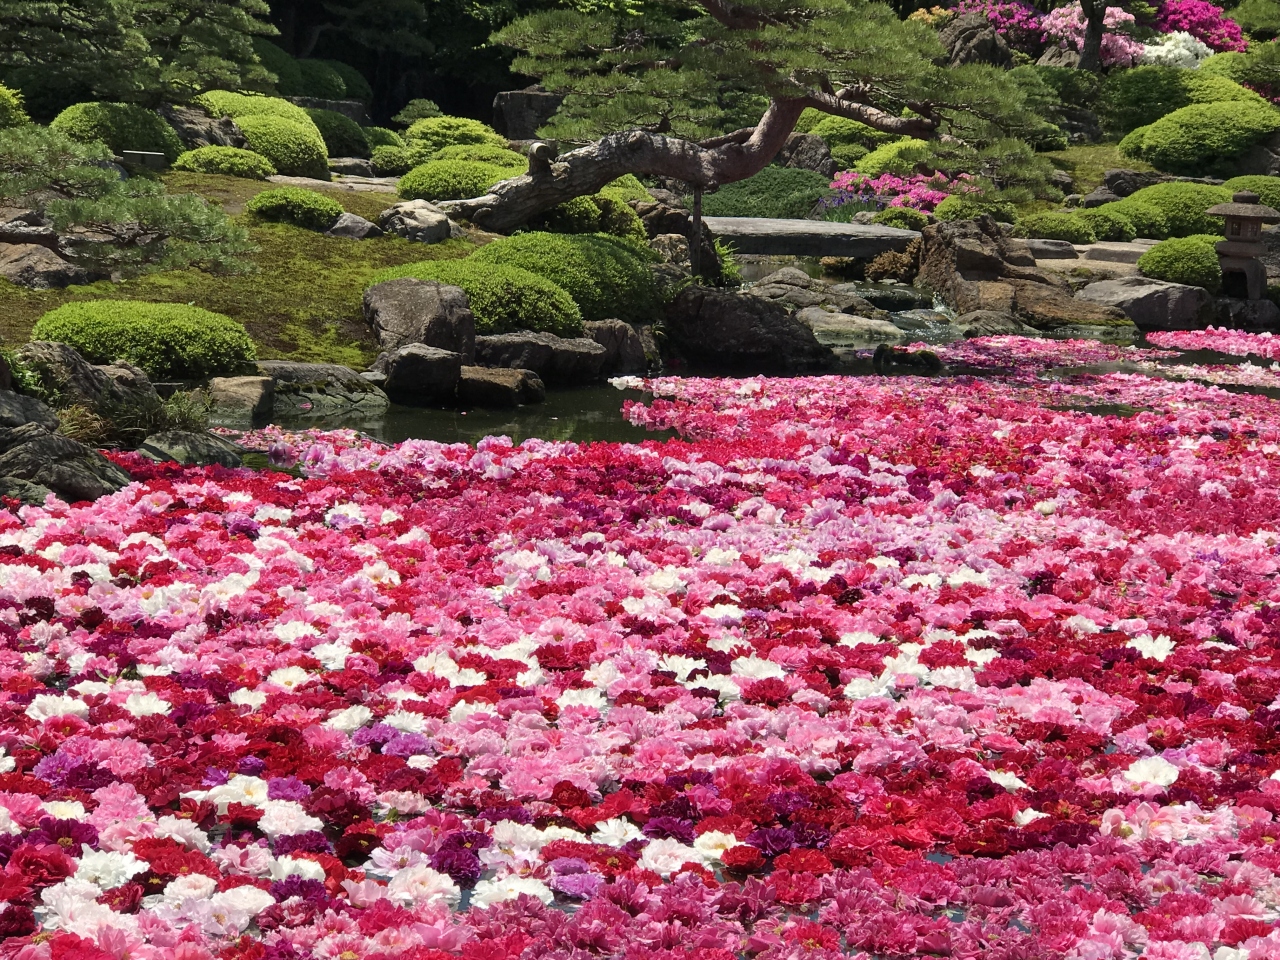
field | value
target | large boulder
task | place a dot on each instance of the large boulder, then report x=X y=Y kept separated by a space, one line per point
x=195 y=128
x=192 y=448
x=991 y=323
x=517 y=114
x=241 y=398
x=416 y=373
x=39 y=268
x=17 y=410
x=1154 y=304
x=350 y=226
x=65 y=374
x=794 y=288
x=421 y=311
x=842 y=331
x=971 y=38
x=499 y=387
x=808 y=151
x=623 y=348
x=351 y=166
x=1125 y=183
x=742 y=332
x=320 y=390
x=32 y=454
x=554 y=359
x=416 y=220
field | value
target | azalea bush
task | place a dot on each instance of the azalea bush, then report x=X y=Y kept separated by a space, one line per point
x=918 y=192
x=1021 y=24
x=1204 y=21
x=1065 y=27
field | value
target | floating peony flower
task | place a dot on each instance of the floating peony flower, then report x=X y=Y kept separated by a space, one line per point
x=1152 y=770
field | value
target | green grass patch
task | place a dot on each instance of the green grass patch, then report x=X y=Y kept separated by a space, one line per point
x=1087 y=162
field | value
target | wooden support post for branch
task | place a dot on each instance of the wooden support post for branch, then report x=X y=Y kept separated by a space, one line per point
x=695 y=241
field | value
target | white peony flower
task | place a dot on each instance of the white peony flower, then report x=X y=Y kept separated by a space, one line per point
x=665 y=857
x=146 y=705
x=1155 y=770
x=754 y=668
x=64 y=809
x=1007 y=780
x=193 y=886
x=350 y=719
x=1023 y=817
x=106 y=869
x=46 y=705
x=714 y=843
x=246 y=900
x=422 y=886
x=284 y=818
x=489 y=892
x=239 y=789
x=1157 y=648
x=289 y=867
x=248 y=698
x=616 y=832
x=291 y=678
x=590 y=697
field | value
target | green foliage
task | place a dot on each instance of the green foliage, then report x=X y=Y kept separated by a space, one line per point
x=321 y=81
x=904 y=218
x=606 y=276
x=1057 y=226
x=35 y=161
x=1267 y=188
x=1191 y=260
x=503 y=298
x=839 y=132
x=169 y=341
x=626 y=188
x=416 y=110
x=291 y=147
x=1141 y=96
x=848 y=155
x=1260 y=18
x=967 y=206
x=779 y=192
x=484 y=153
x=1258 y=68
x=901 y=157
x=730 y=271
x=343 y=137
x=1108 y=224
x=1183 y=206
x=1148 y=220
x=436 y=133
x=225 y=103
x=121 y=126
x=391 y=161
x=1078 y=88
x=11 y=112
x=302 y=208
x=229 y=161
x=356 y=86
x=382 y=137
x=1203 y=139
x=287 y=72
x=451 y=180
x=598 y=214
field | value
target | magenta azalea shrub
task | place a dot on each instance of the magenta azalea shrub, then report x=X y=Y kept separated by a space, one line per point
x=1204 y=21
x=919 y=192
x=1065 y=27
x=1019 y=23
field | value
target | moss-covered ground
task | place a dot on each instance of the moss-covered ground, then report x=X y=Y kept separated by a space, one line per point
x=301 y=301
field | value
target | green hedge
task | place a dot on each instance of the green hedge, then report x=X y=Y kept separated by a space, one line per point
x=343 y=137
x=905 y=218
x=598 y=214
x=1183 y=206
x=292 y=148
x=776 y=192
x=1203 y=139
x=225 y=103
x=121 y=126
x=389 y=161
x=1108 y=224
x=228 y=161
x=1149 y=222
x=450 y=180
x=302 y=208
x=436 y=133
x=902 y=157
x=169 y=341
x=1190 y=260
x=288 y=73
x=1141 y=96
x=484 y=153
x=503 y=298
x=357 y=86
x=1057 y=226
x=968 y=206
x=382 y=137
x=1267 y=188
x=606 y=276
x=321 y=81
x=11 y=112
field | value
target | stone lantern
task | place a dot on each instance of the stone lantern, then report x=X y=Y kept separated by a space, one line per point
x=1243 y=275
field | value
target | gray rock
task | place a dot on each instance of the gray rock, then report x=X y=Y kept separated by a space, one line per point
x=1052 y=249
x=517 y=114
x=1056 y=56
x=1114 y=251
x=499 y=387
x=664 y=219
x=416 y=220
x=885 y=298
x=916 y=322
x=192 y=449
x=807 y=151
x=416 y=373
x=66 y=375
x=16 y=410
x=1259 y=315
x=195 y=128
x=672 y=248
x=1063 y=181
x=742 y=332
x=554 y=359
x=6 y=374
x=1100 y=196
x=972 y=39
x=421 y=311
x=795 y=288
x=320 y=390
x=1125 y=183
x=623 y=349
x=19 y=232
x=991 y=323
x=241 y=397
x=12 y=488
x=1154 y=304
x=353 y=227
x=39 y=268
x=71 y=470
x=840 y=330
x=351 y=166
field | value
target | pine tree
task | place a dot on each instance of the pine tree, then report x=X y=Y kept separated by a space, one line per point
x=656 y=81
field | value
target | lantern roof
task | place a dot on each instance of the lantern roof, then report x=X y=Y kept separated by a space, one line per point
x=1245 y=204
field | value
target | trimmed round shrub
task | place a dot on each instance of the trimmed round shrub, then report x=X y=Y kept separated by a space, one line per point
x=1057 y=226
x=170 y=341
x=343 y=137
x=838 y=131
x=450 y=180
x=321 y=81
x=619 y=220
x=436 y=133
x=291 y=147
x=968 y=206
x=902 y=157
x=847 y=155
x=224 y=103
x=391 y=161
x=1108 y=225
x=904 y=218
x=626 y=188
x=606 y=276
x=597 y=214
x=503 y=298
x=121 y=126
x=357 y=87
x=484 y=153
x=382 y=137
x=228 y=161
x=418 y=109
x=11 y=112
x=1183 y=206
x=1267 y=188
x=1202 y=139
x=295 y=205
x=1141 y=96
x=1148 y=222
x=777 y=192
x=288 y=73
x=1190 y=260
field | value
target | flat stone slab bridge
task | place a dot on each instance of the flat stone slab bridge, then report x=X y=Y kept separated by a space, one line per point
x=808 y=238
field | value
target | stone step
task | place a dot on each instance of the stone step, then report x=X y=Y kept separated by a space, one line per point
x=1115 y=252
x=808 y=238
